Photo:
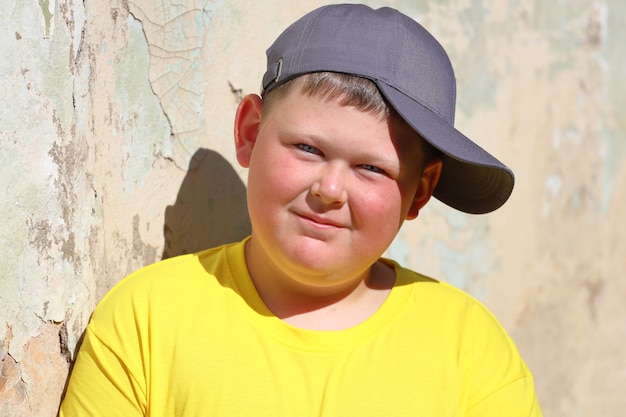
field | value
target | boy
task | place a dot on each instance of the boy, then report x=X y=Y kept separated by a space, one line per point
x=353 y=135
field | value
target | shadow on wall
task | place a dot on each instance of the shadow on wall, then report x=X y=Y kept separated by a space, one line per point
x=210 y=208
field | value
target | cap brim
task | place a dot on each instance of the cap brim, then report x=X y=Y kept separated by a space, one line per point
x=472 y=180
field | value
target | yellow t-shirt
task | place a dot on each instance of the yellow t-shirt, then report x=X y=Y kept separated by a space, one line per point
x=190 y=336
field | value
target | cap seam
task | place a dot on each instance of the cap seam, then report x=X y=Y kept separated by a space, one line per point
x=409 y=96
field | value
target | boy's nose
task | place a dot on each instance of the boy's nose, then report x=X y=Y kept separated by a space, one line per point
x=330 y=187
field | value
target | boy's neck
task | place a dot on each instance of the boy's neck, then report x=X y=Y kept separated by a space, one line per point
x=346 y=311
x=312 y=309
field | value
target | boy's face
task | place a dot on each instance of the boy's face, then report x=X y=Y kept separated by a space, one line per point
x=328 y=186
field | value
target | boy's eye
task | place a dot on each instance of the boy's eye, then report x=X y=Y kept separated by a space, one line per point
x=373 y=169
x=308 y=148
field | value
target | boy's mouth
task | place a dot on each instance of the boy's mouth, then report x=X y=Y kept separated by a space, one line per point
x=320 y=221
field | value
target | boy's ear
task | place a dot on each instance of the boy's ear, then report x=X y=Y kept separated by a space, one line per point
x=247 y=122
x=428 y=182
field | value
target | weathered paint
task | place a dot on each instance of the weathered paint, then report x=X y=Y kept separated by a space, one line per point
x=116 y=150
x=144 y=126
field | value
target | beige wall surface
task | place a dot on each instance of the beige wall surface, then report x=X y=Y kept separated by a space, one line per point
x=115 y=151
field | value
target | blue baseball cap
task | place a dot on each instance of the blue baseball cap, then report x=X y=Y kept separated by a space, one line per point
x=413 y=73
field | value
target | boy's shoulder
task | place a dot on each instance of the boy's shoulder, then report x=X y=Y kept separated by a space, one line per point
x=437 y=297
x=177 y=278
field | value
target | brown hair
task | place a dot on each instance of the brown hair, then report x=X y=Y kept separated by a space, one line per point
x=352 y=90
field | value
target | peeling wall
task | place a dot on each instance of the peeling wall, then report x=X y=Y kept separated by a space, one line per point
x=115 y=151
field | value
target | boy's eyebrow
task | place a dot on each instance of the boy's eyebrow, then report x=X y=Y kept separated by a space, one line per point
x=300 y=131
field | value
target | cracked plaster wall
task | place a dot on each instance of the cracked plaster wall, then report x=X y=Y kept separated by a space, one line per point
x=115 y=150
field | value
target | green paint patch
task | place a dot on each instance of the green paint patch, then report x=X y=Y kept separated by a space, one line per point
x=47 y=16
